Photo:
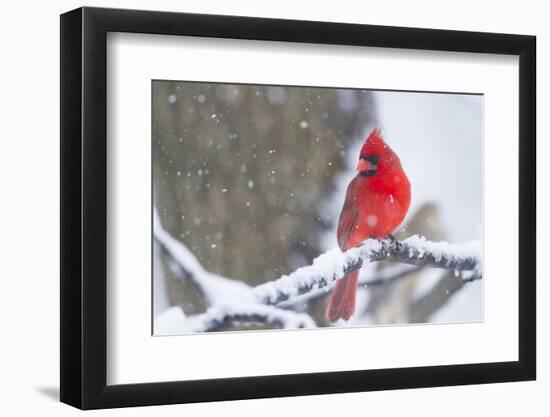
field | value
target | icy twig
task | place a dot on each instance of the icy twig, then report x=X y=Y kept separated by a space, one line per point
x=334 y=264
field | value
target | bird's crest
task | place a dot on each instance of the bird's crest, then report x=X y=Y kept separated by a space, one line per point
x=374 y=144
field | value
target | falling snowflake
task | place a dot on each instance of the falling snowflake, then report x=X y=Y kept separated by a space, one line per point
x=276 y=95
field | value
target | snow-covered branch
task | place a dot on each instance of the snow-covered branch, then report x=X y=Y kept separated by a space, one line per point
x=369 y=277
x=217 y=289
x=232 y=301
x=225 y=316
x=333 y=265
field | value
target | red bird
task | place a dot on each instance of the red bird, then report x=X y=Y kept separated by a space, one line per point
x=377 y=201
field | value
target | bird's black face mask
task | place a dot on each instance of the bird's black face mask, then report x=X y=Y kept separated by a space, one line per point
x=368 y=165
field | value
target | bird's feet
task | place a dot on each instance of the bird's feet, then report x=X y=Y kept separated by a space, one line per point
x=393 y=240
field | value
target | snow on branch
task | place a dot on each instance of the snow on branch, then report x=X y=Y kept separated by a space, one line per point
x=217 y=289
x=463 y=258
x=232 y=301
x=369 y=277
x=225 y=316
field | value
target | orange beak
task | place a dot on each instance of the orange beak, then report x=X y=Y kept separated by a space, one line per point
x=364 y=165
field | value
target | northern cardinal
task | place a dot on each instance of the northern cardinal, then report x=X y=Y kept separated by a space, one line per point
x=377 y=200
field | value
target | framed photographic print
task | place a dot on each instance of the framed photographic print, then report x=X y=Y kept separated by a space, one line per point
x=258 y=207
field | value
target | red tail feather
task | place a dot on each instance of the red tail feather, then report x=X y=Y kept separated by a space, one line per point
x=342 y=300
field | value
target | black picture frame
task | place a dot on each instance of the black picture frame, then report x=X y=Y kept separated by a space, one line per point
x=84 y=207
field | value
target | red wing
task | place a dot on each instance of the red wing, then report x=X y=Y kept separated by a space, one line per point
x=348 y=217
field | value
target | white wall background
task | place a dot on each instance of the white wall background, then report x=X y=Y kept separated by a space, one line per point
x=29 y=272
